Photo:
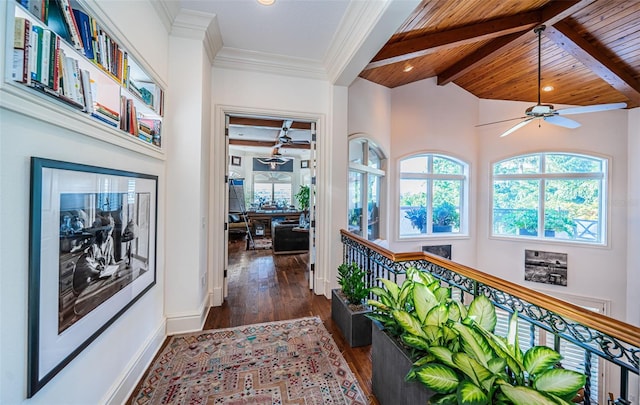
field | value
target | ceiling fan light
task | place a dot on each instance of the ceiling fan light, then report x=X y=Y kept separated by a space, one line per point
x=266 y=2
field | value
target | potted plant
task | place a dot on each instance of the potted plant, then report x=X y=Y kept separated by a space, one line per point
x=456 y=353
x=302 y=196
x=526 y=222
x=558 y=221
x=418 y=218
x=445 y=216
x=348 y=308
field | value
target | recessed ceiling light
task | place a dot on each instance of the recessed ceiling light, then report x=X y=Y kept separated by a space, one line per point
x=266 y=2
x=408 y=68
x=547 y=88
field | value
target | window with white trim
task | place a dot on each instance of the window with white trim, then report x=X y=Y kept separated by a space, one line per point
x=562 y=194
x=366 y=174
x=272 y=188
x=432 y=193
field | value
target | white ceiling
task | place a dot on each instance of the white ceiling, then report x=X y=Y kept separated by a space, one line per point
x=293 y=28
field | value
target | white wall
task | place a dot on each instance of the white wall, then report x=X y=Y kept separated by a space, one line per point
x=109 y=367
x=597 y=272
x=287 y=97
x=426 y=117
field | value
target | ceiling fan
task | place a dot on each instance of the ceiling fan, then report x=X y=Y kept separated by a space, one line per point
x=546 y=112
x=285 y=140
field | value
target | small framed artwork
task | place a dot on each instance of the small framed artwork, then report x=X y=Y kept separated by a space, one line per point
x=304 y=164
x=545 y=267
x=236 y=161
x=92 y=255
x=440 y=250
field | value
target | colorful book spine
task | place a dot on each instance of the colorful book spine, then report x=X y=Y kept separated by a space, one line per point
x=21 y=47
x=70 y=20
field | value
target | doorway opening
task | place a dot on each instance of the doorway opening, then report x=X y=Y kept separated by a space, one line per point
x=270 y=209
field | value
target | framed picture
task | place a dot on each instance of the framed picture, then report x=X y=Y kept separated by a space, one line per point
x=304 y=164
x=92 y=254
x=440 y=250
x=236 y=161
x=545 y=267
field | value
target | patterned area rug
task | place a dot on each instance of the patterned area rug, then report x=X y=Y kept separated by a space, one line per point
x=286 y=362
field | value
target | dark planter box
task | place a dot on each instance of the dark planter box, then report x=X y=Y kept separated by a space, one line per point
x=355 y=326
x=390 y=365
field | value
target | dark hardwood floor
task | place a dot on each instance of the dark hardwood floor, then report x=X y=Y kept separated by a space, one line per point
x=264 y=287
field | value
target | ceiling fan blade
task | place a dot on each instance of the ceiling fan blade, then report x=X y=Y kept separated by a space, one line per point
x=591 y=108
x=517 y=126
x=562 y=121
x=497 y=122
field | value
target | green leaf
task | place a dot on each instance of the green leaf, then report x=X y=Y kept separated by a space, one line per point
x=405 y=291
x=433 y=333
x=560 y=382
x=437 y=315
x=438 y=378
x=427 y=358
x=482 y=311
x=474 y=344
x=416 y=341
x=470 y=394
x=392 y=288
x=423 y=300
x=540 y=358
x=474 y=370
x=512 y=338
x=410 y=324
x=503 y=350
x=496 y=365
x=443 y=354
x=378 y=304
x=380 y=292
x=525 y=396
x=444 y=399
x=442 y=293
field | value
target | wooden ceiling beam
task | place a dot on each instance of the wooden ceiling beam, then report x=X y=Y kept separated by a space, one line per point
x=595 y=60
x=428 y=43
x=265 y=144
x=266 y=123
x=549 y=14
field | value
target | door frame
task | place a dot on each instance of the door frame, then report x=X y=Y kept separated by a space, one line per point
x=218 y=192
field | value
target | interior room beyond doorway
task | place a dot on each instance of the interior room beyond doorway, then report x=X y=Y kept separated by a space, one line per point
x=270 y=171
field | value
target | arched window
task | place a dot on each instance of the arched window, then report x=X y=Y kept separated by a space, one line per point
x=433 y=189
x=562 y=194
x=366 y=174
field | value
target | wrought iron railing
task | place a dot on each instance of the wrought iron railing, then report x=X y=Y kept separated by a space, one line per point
x=615 y=342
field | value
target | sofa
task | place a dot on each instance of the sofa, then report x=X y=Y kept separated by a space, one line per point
x=288 y=237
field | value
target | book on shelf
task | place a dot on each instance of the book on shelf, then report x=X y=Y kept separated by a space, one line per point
x=84 y=26
x=106 y=111
x=105 y=119
x=72 y=26
x=21 y=47
x=39 y=8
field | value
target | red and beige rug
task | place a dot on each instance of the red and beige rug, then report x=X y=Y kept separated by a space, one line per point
x=286 y=362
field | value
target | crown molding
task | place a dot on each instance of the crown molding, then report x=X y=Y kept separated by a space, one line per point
x=167 y=11
x=239 y=59
x=365 y=28
x=201 y=26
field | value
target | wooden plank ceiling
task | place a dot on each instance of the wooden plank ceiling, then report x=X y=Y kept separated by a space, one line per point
x=590 y=50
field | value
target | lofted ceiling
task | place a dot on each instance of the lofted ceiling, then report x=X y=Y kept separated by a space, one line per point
x=590 y=52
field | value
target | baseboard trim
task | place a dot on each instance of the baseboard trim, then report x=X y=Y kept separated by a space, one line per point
x=188 y=322
x=121 y=391
x=217 y=297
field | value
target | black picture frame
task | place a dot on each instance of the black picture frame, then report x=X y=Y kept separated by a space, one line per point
x=440 y=250
x=92 y=255
x=545 y=267
x=236 y=161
